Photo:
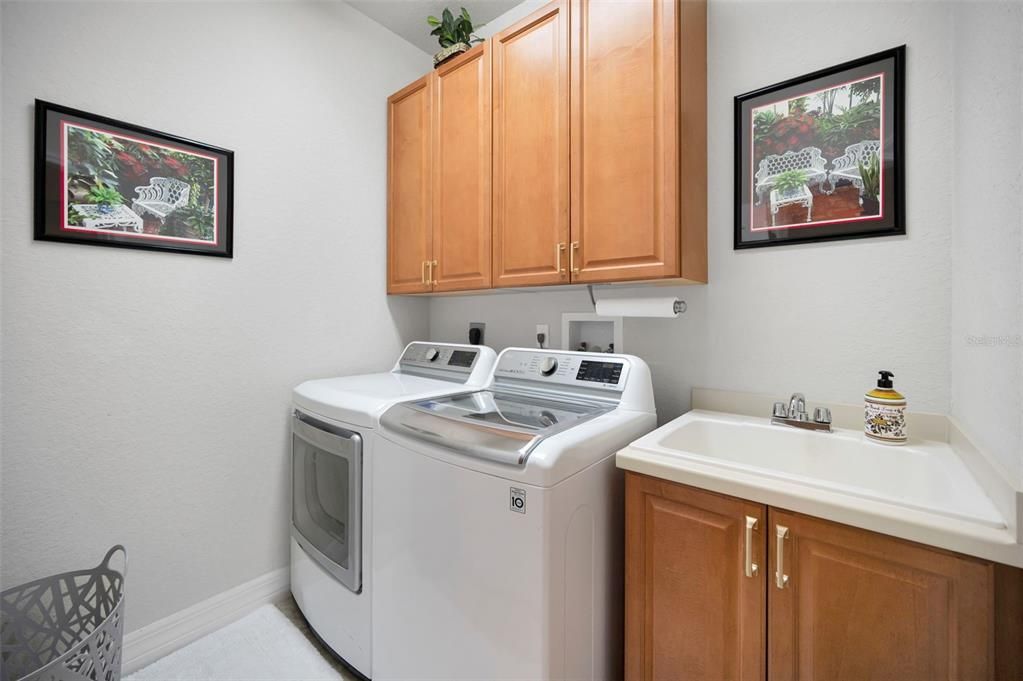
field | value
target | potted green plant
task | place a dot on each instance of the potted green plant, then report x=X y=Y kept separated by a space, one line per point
x=455 y=34
x=105 y=197
x=870 y=175
x=789 y=181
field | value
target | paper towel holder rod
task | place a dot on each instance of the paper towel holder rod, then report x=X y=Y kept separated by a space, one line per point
x=679 y=306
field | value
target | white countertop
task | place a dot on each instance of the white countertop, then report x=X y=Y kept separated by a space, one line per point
x=923 y=491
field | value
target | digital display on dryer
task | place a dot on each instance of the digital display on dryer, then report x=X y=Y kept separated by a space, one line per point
x=599 y=372
x=461 y=358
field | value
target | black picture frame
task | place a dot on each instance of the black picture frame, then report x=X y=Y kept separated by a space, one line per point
x=183 y=190
x=838 y=215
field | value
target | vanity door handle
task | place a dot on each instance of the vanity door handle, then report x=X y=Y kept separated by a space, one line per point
x=781 y=580
x=751 y=567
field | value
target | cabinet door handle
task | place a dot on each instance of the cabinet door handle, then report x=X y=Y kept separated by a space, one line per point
x=751 y=567
x=781 y=580
x=422 y=275
x=558 y=250
x=571 y=257
x=433 y=263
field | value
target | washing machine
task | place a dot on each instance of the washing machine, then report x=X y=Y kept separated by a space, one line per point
x=498 y=522
x=334 y=428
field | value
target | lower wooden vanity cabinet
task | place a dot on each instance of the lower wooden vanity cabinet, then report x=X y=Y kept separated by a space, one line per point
x=691 y=611
x=719 y=588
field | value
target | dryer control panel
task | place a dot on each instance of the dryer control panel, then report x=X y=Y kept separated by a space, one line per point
x=439 y=358
x=579 y=369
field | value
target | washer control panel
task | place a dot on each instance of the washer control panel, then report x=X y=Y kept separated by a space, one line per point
x=439 y=356
x=581 y=369
x=598 y=371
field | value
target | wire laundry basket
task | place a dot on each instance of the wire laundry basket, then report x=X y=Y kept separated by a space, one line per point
x=65 y=627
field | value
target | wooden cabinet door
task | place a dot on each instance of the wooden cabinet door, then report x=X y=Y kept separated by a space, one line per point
x=531 y=149
x=691 y=611
x=461 y=176
x=625 y=144
x=409 y=168
x=858 y=605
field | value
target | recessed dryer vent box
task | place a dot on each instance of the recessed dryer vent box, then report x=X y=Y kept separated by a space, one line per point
x=597 y=332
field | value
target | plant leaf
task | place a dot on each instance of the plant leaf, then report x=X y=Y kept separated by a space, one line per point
x=432 y=20
x=449 y=23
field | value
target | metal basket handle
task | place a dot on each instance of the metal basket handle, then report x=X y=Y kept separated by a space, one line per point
x=105 y=563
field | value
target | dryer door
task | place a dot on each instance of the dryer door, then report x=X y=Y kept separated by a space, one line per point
x=326 y=511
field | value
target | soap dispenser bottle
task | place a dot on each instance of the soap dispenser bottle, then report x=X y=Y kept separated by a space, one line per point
x=884 y=414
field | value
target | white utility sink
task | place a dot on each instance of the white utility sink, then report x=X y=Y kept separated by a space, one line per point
x=923 y=475
x=925 y=491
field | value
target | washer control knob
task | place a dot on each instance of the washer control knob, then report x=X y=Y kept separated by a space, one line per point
x=548 y=366
x=431 y=355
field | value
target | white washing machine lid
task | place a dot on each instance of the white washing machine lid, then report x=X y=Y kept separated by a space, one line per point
x=497 y=425
x=359 y=400
x=552 y=460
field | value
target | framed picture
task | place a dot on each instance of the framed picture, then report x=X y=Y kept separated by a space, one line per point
x=104 y=182
x=820 y=157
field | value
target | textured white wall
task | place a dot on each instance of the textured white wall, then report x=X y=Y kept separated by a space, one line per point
x=146 y=394
x=818 y=318
x=987 y=284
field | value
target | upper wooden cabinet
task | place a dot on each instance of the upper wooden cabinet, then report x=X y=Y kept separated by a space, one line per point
x=438 y=179
x=723 y=588
x=461 y=172
x=571 y=147
x=639 y=140
x=409 y=173
x=627 y=105
x=531 y=150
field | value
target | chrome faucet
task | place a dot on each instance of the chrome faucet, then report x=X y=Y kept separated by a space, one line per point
x=795 y=415
x=797 y=407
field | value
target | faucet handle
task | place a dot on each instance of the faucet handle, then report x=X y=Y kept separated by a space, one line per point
x=822 y=415
x=780 y=410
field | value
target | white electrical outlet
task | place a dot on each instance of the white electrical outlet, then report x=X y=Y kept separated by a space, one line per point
x=544 y=329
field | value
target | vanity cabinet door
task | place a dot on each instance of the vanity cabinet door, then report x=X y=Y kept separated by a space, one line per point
x=409 y=173
x=531 y=190
x=461 y=172
x=846 y=604
x=693 y=611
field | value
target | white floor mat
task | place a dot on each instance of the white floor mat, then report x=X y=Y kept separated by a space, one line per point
x=262 y=646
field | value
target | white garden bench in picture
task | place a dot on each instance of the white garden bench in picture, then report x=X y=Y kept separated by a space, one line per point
x=161 y=197
x=847 y=166
x=808 y=160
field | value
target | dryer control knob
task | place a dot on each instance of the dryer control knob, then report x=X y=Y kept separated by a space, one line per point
x=431 y=355
x=548 y=366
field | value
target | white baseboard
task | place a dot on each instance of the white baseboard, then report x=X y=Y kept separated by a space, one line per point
x=151 y=642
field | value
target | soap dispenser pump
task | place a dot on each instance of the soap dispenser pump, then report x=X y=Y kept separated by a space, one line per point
x=884 y=413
